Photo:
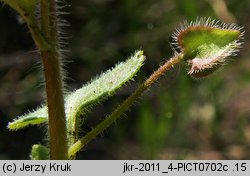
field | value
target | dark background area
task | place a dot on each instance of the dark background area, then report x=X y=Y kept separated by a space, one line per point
x=179 y=118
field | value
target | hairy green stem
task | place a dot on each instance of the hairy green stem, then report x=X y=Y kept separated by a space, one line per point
x=124 y=106
x=45 y=37
x=39 y=40
x=54 y=82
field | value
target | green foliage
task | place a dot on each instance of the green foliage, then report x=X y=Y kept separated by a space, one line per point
x=39 y=152
x=205 y=44
x=77 y=102
x=34 y=118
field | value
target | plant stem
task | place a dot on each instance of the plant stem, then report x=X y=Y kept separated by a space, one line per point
x=39 y=40
x=124 y=106
x=54 y=82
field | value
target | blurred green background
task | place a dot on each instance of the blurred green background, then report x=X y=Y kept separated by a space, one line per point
x=179 y=118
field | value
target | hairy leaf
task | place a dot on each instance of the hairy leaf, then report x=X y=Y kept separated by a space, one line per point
x=39 y=152
x=77 y=102
x=33 y=118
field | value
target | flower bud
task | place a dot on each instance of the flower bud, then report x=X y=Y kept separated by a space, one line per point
x=206 y=44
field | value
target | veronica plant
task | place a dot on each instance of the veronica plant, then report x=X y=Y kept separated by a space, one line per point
x=203 y=45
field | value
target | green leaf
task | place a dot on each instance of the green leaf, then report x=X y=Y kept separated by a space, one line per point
x=100 y=88
x=39 y=152
x=33 y=118
x=77 y=102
